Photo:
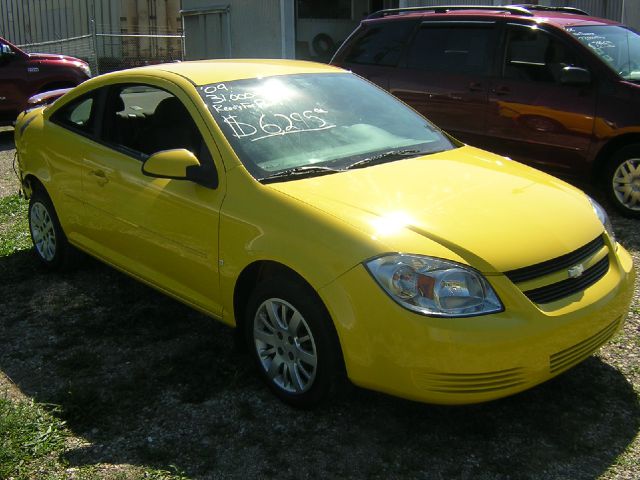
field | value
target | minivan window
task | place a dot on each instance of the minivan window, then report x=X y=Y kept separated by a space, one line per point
x=533 y=55
x=381 y=43
x=618 y=46
x=451 y=49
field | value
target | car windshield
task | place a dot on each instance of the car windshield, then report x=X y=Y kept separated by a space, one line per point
x=316 y=124
x=618 y=46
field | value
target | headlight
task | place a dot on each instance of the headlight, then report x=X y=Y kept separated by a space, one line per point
x=604 y=218
x=85 y=69
x=435 y=287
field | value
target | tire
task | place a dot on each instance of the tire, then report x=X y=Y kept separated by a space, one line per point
x=292 y=342
x=49 y=241
x=623 y=180
x=323 y=45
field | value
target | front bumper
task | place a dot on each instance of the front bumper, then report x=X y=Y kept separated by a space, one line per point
x=468 y=360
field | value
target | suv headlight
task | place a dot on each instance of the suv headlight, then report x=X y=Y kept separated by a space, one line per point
x=435 y=287
x=86 y=69
x=604 y=219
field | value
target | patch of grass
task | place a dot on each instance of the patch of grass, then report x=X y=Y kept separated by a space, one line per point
x=30 y=439
x=33 y=443
x=14 y=227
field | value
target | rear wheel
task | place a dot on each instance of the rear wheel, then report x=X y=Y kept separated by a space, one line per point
x=49 y=241
x=623 y=180
x=292 y=341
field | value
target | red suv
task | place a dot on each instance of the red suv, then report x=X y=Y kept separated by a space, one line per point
x=25 y=74
x=552 y=87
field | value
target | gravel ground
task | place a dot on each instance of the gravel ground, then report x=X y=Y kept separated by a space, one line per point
x=145 y=382
x=8 y=181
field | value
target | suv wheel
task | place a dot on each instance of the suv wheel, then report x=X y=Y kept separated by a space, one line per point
x=623 y=180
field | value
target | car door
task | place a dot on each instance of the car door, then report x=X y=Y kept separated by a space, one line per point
x=13 y=75
x=445 y=75
x=164 y=231
x=532 y=116
x=69 y=136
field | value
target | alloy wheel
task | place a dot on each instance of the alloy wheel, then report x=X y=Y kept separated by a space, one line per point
x=285 y=346
x=43 y=231
x=626 y=184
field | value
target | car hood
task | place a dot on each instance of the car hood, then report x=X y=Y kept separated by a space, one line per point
x=494 y=213
x=51 y=56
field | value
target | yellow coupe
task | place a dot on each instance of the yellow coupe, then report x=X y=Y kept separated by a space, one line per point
x=339 y=231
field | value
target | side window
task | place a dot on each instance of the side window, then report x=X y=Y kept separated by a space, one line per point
x=381 y=44
x=77 y=115
x=457 y=49
x=534 y=55
x=5 y=49
x=142 y=120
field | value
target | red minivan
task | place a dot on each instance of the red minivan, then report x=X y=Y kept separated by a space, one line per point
x=549 y=86
x=25 y=74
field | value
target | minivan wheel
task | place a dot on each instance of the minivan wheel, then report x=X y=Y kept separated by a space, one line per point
x=292 y=342
x=49 y=241
x=623 y=180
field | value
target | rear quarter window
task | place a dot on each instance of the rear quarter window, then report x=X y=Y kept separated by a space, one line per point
x=77 y=115
x=452 y=49
x=381 y=43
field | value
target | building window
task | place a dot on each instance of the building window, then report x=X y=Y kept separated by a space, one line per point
x=324 y=9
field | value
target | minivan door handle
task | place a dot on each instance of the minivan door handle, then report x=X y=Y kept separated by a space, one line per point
x=501 y=90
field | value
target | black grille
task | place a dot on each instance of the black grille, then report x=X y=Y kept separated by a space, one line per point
x=569 y=286
x=555 y=264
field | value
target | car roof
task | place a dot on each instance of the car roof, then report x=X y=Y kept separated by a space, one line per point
x=561 y=17
x=204 y=72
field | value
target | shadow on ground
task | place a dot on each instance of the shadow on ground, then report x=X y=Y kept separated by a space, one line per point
x=145 y=380
x=6 y=140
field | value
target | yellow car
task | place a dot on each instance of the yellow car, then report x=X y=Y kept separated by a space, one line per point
x=337 y=230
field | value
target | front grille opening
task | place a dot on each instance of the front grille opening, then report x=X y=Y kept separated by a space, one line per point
x=470 y=383
x=541 y=269
x=571 y=356
x=556 y=291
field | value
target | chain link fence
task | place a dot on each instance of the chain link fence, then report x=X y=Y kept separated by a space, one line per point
x=127 y=50
x=121 y=50
x=80 y=47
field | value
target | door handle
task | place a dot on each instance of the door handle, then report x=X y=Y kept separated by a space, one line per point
x=101 y=176
x=502 y=90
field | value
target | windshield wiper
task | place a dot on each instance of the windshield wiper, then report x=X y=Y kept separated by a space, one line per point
x=385 y=157
x=299 y=172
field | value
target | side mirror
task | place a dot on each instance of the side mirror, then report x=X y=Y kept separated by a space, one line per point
x=180 y=164
x=170 y=164
x=575 y=76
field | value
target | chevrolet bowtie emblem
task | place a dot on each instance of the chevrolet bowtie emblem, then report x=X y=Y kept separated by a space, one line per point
x=576 y=271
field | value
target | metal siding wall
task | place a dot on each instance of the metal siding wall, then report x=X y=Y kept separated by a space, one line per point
x=611 y=9
x=601 y=8
x=255 y=28
x=32 y=21
x=206 y=34
x=107 y=20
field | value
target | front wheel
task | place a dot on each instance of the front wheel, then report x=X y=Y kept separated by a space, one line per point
x=292 y=341
x=49 y=241
x=623 y=180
